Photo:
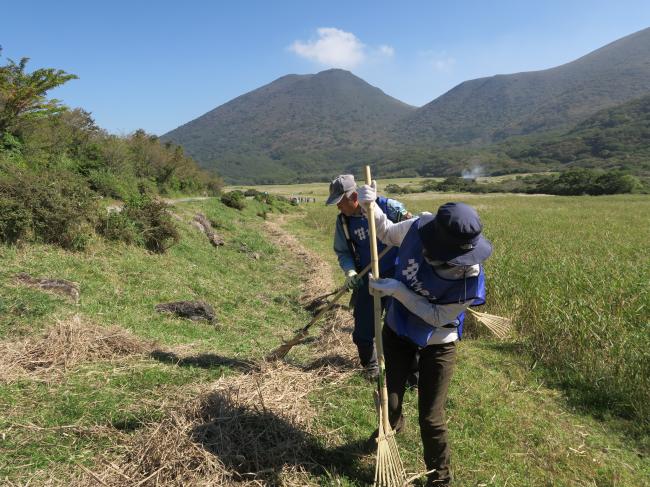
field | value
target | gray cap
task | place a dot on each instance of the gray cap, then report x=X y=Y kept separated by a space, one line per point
x=342 y=185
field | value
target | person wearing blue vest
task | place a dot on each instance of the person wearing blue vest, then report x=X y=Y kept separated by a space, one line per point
x=352 y=247
x=438 y=275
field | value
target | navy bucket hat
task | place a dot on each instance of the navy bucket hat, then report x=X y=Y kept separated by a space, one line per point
x=454 y=236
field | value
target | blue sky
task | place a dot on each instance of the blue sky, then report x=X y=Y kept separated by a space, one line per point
x=157 y=65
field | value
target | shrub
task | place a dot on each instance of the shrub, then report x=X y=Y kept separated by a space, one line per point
x=393 y=189
x=53 y=207
x=117 y=226
x=110 y=184
x=142 y=221
x=15 y=220
x=234 y=199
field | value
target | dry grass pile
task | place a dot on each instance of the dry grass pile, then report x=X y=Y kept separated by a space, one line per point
x=65 y=345
x=252 y=429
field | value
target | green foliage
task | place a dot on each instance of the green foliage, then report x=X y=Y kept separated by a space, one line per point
x=585 y=181
x=52 y=207
x=615 y=138
x=142 y=221
x=234 y=199
x=117 y=226
x=22 y=94
x=42 y=136
x=397 y=189
x=112 y=185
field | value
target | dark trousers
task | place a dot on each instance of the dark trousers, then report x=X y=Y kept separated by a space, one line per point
x=363 y=335
x=436 y=367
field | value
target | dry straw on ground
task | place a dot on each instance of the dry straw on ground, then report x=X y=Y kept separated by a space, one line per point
x=251 y=429
x=66 y=344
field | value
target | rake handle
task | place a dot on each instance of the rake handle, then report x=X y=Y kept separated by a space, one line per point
x=340 y=293
x=379 y=344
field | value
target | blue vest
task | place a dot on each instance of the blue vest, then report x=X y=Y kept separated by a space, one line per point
x=360 y=236
x=419 y=276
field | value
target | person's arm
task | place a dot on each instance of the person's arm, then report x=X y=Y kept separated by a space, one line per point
x=346 y=259
x=388 y=232
x=434 y=314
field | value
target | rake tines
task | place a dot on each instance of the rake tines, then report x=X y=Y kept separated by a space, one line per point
x=498 y=325
x=389 y=470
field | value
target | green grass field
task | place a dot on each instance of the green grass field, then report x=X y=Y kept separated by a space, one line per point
x=320 y=190
x=564 y=402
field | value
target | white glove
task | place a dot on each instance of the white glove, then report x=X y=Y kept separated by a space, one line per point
x=352 y=280
x=384 y=287
x=367 y=194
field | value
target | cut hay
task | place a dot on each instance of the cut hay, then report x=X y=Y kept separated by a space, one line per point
x=65 y=345
x=253 y=429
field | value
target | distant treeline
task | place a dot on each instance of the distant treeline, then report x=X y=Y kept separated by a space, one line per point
x=573 y=182
x=56 y=161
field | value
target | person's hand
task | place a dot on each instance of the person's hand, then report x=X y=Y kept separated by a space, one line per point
x=353 y=280
x=367 y=194
x=384 y=287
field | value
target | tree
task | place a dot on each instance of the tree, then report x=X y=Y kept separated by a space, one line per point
x=22 y=94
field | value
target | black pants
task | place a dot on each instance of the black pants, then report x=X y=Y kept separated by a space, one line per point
x=436 y=367
x=363 y=335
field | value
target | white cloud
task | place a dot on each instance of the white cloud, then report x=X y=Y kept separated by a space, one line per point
x=441 y=62
x=334 y=47
x=387 y=51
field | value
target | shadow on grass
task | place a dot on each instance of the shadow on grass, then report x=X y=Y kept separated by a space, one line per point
x=204 y=361
x=335 y=361
x=257 y=444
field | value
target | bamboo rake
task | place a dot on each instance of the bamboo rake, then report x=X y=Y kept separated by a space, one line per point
x=389 y=470
x=498 y=325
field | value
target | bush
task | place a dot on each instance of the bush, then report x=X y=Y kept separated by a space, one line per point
x=587 y=181
x=52 y=207
x=117 y=226
x=15 y=220
x=110 y=184
x=234 y=199
x=143 y=221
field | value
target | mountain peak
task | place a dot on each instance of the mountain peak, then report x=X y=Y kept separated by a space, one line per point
x=489 y=109
x=323 y=117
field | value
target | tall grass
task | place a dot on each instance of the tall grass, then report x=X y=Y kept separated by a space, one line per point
x=574 y=272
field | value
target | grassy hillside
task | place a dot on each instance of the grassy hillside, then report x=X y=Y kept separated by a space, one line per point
x=294 y=127
x=489 y=109
x=612 y=138
x=561 y=404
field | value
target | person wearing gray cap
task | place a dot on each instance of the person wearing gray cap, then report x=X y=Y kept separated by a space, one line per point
x=352 y=247
x=438 y=275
